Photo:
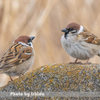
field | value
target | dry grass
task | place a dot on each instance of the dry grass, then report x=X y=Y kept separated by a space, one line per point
x=45 y=19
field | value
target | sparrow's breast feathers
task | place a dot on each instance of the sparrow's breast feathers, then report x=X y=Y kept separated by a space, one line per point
x=15 y=55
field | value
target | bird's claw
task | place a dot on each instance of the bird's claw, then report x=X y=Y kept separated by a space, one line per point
x=76 y=62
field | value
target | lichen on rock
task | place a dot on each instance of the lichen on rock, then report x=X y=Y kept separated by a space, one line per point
x=58 y=78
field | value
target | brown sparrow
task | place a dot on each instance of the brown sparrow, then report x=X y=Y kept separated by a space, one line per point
x=18 y=58
x=79 y=43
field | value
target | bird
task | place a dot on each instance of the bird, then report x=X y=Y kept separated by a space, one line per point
x=18 y=58
x=80 y=43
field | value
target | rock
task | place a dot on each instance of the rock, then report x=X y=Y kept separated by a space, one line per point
x=57 y=78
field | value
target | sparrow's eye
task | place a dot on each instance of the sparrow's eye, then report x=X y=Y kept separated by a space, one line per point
x=74 y=31
x=29 y=40
x=70 y=29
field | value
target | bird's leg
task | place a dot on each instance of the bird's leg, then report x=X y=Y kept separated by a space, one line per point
x=11 y=78
x=87 y=62
x=76 y=62
x=73 y=62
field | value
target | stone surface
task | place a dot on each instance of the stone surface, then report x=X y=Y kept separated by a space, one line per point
x=58 y=78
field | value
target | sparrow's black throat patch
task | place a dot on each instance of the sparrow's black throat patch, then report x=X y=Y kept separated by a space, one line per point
x=65 y=35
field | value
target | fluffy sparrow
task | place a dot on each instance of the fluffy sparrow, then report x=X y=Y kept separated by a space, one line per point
x=79 y=43
x=18 y=58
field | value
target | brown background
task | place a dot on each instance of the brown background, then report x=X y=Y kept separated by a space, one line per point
x=44 y=19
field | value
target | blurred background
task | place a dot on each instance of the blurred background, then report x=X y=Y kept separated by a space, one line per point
x=44 y=19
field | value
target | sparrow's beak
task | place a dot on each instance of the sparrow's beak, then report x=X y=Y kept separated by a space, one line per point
x=64 y=30
x=32 y=38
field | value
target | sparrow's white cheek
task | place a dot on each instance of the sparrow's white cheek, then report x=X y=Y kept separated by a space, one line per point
x=81 y=29
x=30 y=44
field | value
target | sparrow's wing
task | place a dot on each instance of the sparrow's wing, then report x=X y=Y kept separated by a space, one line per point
x=16 y=55
x=90 y=38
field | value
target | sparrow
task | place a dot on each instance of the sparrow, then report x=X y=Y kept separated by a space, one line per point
x=18 y=58
x=80 y=43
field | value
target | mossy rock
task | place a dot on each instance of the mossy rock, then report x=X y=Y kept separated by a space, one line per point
x=57 y=78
